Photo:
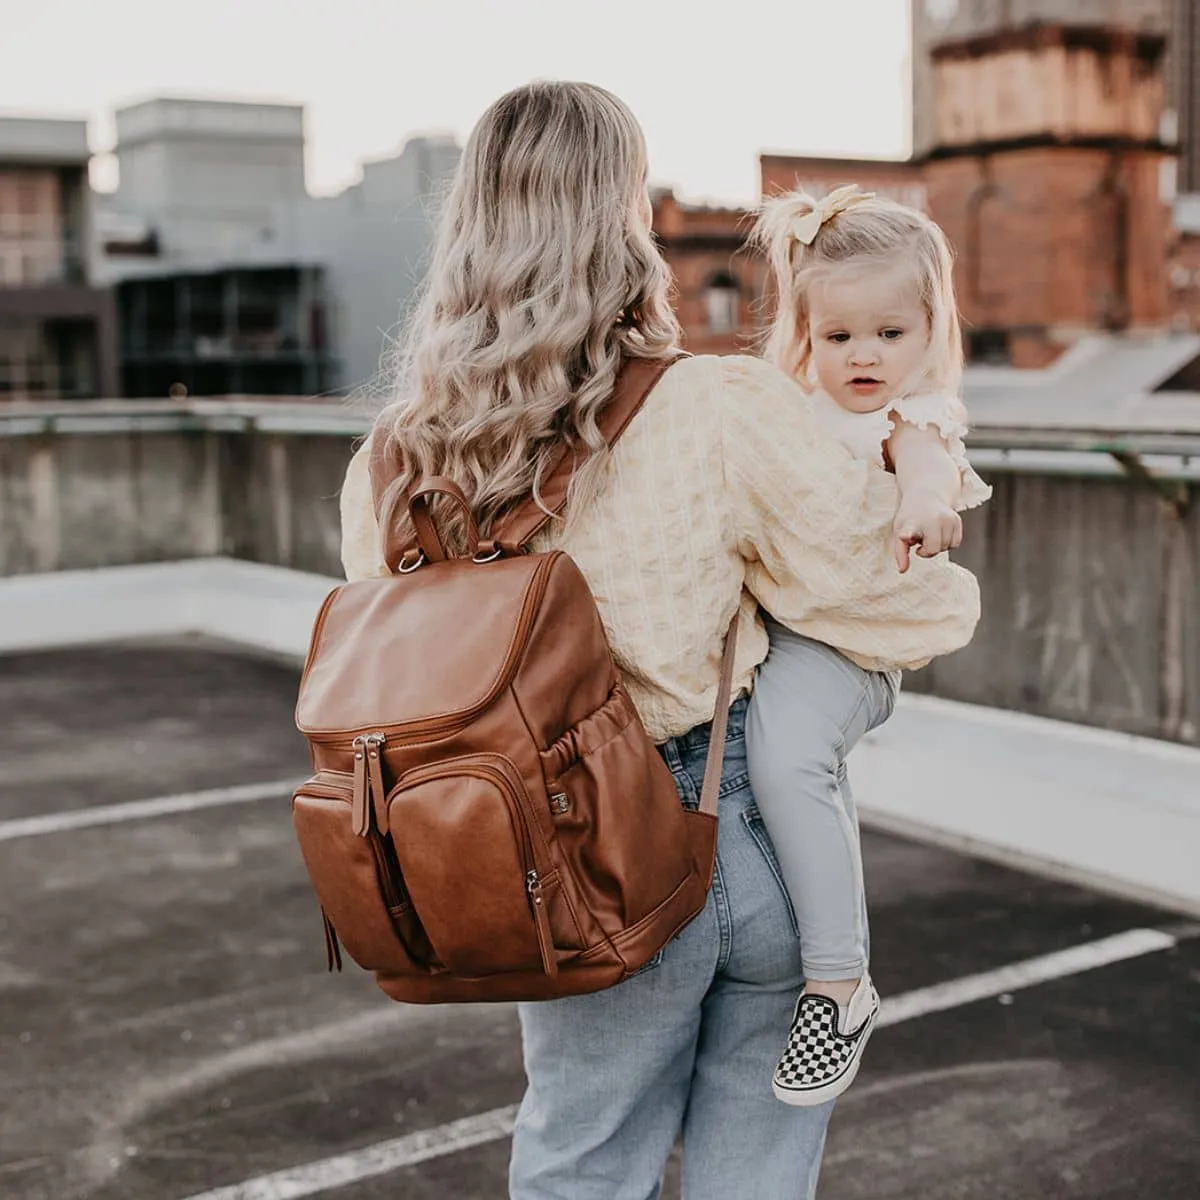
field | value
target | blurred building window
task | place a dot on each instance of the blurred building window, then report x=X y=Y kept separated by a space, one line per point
x=33 y=244
x=721 y=301
x=989 y=347
x=28 y=369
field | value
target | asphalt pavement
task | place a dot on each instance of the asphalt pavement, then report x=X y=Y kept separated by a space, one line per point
x=168 y=1031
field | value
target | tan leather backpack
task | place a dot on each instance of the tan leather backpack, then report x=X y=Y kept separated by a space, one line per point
x=488 y=819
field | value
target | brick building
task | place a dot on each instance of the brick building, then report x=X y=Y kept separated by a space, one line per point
x=936 y=21
x=1053 y=195
x=1046 y=168
x=1045 y=154
x=718 y=282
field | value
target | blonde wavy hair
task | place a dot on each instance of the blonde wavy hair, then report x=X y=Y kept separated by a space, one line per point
x=870 y=229
x=543 y=276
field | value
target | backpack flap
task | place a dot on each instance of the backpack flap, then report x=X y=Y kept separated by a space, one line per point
x=416 y=657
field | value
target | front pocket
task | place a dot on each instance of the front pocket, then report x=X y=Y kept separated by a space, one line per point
x=758 y=831
x=469 y=852
x=655 y=960
x=357 y=880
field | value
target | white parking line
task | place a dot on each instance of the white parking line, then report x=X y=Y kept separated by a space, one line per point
x=1131 y=944
x=139 y=810
x=326 y=1174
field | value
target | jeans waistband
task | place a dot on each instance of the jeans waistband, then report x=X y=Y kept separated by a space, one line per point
x=699 y=737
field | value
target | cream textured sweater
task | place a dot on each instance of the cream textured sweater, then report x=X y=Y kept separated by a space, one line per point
x=726 y=490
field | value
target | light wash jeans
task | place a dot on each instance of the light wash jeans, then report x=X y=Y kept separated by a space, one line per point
x=687 y=1045
x=810 y=707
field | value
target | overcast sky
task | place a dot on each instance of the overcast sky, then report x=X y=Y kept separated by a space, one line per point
x=713 y=84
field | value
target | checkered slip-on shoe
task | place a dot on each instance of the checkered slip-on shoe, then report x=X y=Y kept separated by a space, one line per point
x=821 y=1060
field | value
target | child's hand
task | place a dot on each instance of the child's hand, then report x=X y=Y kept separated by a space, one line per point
x=926 y=521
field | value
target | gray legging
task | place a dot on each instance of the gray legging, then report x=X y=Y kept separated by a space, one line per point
x=809 y=709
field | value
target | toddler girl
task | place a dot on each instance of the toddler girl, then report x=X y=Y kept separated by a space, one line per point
x=866 y=321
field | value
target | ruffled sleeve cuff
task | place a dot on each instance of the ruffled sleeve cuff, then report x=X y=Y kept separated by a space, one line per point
x=947 y=414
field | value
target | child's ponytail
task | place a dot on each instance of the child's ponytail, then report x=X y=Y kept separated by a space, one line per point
x=776 y=231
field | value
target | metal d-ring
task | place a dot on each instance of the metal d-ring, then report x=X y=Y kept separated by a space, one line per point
x=487 y=558
x=404 y=568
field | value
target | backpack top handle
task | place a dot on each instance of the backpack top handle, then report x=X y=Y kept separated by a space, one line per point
x=428 y=538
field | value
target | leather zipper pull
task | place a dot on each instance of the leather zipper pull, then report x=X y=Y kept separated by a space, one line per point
x=360 y=816
x=541 y=922
x=374 y=745
x=333 y=952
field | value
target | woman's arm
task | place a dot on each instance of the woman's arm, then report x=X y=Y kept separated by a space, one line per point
x=362 y=555
x=814 y=525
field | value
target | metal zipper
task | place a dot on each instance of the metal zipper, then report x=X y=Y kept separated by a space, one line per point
x=541 y=922
x=368 y=782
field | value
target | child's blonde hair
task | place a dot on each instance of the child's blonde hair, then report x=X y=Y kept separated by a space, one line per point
x=853 y=226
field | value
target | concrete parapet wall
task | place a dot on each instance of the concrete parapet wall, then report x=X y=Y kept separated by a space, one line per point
x=70 y=501
x=1090 y=606
x=1090 y=581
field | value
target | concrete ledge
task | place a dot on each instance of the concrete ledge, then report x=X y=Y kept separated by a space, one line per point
x=1166 y=426
x=261 y=607
x=1117 y=812
x=1104 y=809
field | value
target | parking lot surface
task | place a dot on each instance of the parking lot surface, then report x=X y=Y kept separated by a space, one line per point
x=168 y=1031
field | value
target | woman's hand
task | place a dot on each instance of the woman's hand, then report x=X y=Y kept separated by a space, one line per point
x=925 y=520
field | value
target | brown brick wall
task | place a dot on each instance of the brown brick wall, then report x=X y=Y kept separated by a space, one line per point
x=972 y=18
x=705 y=249
x=1055 y=237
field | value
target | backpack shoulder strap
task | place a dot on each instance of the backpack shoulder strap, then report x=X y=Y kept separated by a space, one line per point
x=711 y=787
x=636 y=380
x=517 y=528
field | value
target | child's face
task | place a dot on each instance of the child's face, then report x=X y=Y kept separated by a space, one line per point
x=869 y=334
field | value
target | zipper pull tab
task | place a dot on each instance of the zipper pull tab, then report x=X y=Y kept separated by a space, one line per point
x=360 y=816
x=368 y=779
x=541 y=922
x=374 y=745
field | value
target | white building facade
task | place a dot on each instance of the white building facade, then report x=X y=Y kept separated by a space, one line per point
x=232 y=277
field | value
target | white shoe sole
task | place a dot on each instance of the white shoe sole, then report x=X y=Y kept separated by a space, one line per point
x=811 y=1097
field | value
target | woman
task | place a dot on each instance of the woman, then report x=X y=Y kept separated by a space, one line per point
x=722 y=494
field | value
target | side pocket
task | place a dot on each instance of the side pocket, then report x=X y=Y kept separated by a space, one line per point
x=624 y=838
x=758 y=831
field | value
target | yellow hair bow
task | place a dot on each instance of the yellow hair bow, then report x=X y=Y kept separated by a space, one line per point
x=808 y=226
